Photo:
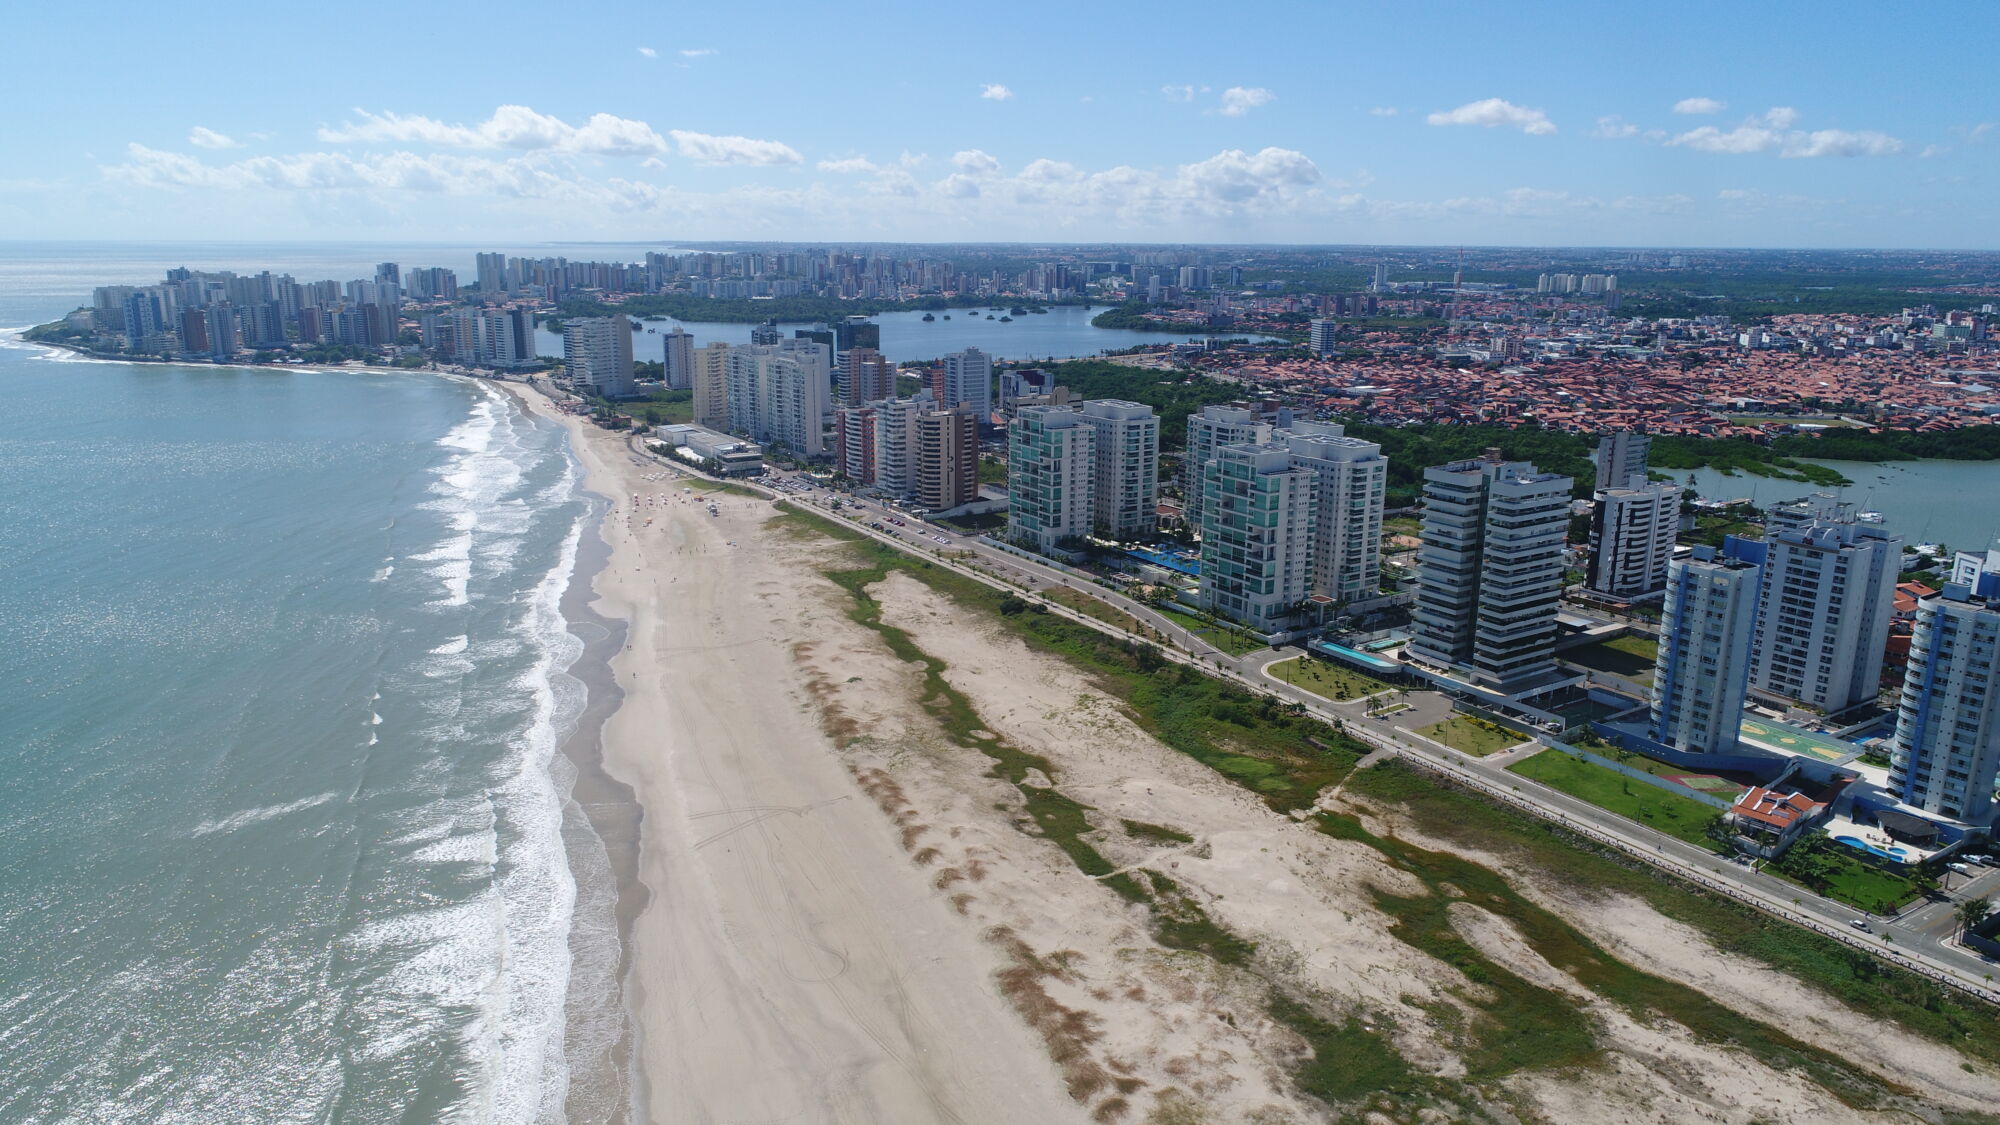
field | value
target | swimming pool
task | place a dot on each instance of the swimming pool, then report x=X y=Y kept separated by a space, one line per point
x=1900 y=855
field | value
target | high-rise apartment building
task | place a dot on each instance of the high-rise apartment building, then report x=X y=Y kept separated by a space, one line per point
x=677 y=366
x=968 y=381
x=1325 y=337
x=1632 y=533
x=865 y=376
x=1258 y=515
x=1621 y=459
x=1051 y=476
x=222 y=330
x=1945 y=753
x=492 y=271
x=1829 y=590
x=1128 y=467
x=1703 y=669
x=1351 y=478
x=947 y=459
x=778 y=394
x=597 y=355
x=1217 y=426
x=1490 y=572
x=709 y=377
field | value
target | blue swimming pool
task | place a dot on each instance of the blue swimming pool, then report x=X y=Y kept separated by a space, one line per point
x=1900 y=855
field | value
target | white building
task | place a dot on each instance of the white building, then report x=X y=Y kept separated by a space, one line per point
x=1351 y=478
x=1490 y=572
x=778 y=394
x=1632 y=533
x=1703 y=669
x=1325 y=337
x=1051 y=476
x=1829 y=590
x=968 y=381
x=1258 y=515
x=1128 y=467
x=1945 y=754
x=597 y=355
x=709 y=379
x=1621 y=459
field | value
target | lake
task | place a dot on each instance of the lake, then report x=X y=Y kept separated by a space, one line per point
x=1956 y=503
x=1064 y=332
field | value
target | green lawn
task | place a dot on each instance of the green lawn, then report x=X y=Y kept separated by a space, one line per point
x=1325 y=678
x=1835 y=871
x=1476 y=737
x=1221 y=636
x=1628 y=656
x=1680 y=817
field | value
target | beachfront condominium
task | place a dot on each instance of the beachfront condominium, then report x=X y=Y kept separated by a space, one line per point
x=968 y=381
x=1051 y=476
x=1325 y=336
x=677 y=355
x=875 y=443
x=778 y=394
x=1351 y=478
x=708 y=377
x=597 y=356
x=1945 y=754
x=1258 y=516
x=1703 y=669
x=1490 y=572
x=946 y=468
x=1217 y=426
x=1127 y=449
x=1829 y=591
x=1632 y=531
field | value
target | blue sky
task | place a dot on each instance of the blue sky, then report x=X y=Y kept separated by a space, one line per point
x=1836 y=123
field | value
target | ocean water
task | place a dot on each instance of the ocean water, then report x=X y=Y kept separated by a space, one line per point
x=282 y=813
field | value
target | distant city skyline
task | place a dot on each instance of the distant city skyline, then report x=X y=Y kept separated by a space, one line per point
x=1478 y=124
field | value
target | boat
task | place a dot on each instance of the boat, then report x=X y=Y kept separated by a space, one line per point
x=928 y=318
x=1870 y=516
x=1005 y=319
x=947 y=316
x=989 y=316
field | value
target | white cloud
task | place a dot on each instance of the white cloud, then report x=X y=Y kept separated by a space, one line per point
x=976 y=163
x=1384 y=111
x=705 y=148
x=698 y=52
x=1772 y=131
x=1235 y=177
x=205 y=137
x=649 y=52
x=1496 y=112
x=848 y=164
x=1177 y=93
x=511 y=126
x=1933 y=151
x=995 y=92
x=1699 y=106
x=1239 y=100
x=1614 y=128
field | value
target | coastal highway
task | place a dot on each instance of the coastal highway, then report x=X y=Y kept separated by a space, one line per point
x=1921 y=938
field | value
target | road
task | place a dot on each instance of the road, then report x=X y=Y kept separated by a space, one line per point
x=1921 y=938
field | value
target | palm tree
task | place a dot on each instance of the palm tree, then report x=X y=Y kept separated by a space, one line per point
x=1972 y=912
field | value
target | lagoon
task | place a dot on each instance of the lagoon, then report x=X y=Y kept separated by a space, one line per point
x=1064 y=332
x=1956 y=503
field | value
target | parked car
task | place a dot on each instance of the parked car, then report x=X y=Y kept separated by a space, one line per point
x=1862 y=925
x=1961 y=868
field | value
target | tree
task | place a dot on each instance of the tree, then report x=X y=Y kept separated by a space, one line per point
x=1972 y=912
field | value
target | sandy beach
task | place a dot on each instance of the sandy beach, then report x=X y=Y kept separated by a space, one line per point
x=845 y=916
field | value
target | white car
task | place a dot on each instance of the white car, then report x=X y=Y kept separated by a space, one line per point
x=1961 y=868
x=1862 y=925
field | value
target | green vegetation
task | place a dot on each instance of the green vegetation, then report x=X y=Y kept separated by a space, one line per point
x=1712 y=527
x=1526 y=1025
x=1970 y=443
x=1093 y=607
x=1836 y=871
x=1473 y=735
x=1229 y=638
x=1851 y=976
x=1174 y=394
x=1325 y=678
x=1680 y=817
x=1157 y=833
x=658 y=408
x=1629 y=656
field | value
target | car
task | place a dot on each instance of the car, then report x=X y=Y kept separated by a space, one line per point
x=1982 y=860
x=1862 y=925
x=1961 y=868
